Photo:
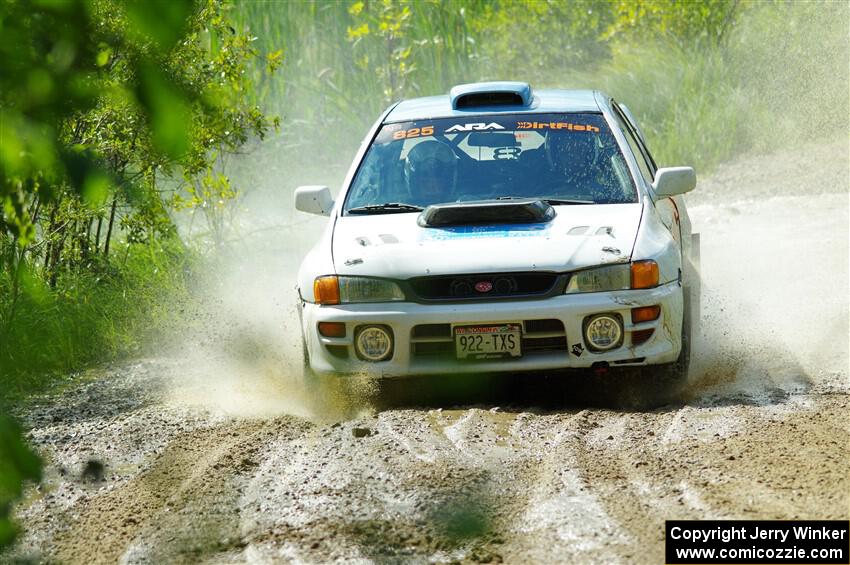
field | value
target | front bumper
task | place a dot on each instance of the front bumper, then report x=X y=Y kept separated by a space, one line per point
x=546 y=345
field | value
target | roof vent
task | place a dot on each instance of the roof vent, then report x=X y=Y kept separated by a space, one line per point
x=479 y=94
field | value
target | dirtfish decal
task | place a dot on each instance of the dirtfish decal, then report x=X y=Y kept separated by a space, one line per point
x=477 y=126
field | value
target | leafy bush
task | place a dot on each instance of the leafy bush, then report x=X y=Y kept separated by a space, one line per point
x=17 y=464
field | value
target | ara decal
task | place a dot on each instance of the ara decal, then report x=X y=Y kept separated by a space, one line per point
x=476 y=126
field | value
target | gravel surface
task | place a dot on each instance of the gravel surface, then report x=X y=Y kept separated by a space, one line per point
x=204 y=457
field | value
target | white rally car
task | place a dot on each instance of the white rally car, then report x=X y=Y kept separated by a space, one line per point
x=501 y=228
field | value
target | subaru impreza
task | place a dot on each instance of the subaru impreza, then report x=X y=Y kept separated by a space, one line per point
x=501 y=228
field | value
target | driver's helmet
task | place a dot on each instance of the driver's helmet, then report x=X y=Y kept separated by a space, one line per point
x=572 y=154
x=430 y=170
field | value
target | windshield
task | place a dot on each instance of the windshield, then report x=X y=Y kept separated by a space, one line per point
x=563 y=158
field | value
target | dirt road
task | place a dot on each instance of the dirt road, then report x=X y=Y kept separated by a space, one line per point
x=211 y=458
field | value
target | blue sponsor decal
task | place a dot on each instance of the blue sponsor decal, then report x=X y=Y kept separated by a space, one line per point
x=494 y=231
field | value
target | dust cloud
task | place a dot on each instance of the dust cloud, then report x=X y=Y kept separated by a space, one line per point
x=242 y=352
x=775 y=275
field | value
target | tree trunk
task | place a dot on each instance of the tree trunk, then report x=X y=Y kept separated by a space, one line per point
x=109 y=228
x=97 y=236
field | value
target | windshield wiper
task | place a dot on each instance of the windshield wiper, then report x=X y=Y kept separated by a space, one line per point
x=552 y=201
x=386 y=208
x=557 y=201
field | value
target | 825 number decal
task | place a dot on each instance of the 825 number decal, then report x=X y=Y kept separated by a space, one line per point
x=413 y=132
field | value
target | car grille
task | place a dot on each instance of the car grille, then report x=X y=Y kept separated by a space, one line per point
x=483 y=287
x=435 y=340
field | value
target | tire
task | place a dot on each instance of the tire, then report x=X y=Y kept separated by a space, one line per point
x=315 y=385
x=674 y=375
x=328 y=396
x=668 y=379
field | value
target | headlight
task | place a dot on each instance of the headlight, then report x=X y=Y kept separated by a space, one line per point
x=640 y=274
x=348 y=290
x=612 y=277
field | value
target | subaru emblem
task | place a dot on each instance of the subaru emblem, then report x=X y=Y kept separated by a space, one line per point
x=484 y=286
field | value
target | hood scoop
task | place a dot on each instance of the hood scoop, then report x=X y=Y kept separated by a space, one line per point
x=482 y=212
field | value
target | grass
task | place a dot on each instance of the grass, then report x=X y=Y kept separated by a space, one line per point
x=89 y=317
x=780 y=79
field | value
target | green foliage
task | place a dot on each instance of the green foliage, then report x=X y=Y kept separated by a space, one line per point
x=768 y=86
x=686 y=22
x=690 y=111
x=388 y=24
x=17 y=464
x=102 y=313
x=114 y=111
x=538 y=36
x=108 y=92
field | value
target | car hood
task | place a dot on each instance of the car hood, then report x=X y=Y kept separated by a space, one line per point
x=394 y=246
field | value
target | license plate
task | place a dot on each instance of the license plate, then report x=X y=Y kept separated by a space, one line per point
x=486 y=342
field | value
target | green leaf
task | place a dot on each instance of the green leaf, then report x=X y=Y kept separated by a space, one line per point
x=96 y=188
x=17 y=464
x=162 y=21
x=103 y=56
x=167 y=108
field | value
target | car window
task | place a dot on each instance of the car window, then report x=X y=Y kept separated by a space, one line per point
x=647 y=168
x=638 y=135
x=554 y=156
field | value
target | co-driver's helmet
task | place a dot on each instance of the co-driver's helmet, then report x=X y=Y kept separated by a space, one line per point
x=430 y=170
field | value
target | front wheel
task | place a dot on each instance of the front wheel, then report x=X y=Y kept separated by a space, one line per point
x=671 y=377
x=330 y=396
x=655 y=385
x=314 y=385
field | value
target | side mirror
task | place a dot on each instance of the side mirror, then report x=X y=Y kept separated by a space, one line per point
x=671 y=181
x=314 y=200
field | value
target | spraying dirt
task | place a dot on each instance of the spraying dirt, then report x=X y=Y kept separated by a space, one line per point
x=223 y=457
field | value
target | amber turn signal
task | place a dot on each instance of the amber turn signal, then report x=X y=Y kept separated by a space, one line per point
x=645 y=314
x=332 y=329
x=644 y=274
x=326 y=290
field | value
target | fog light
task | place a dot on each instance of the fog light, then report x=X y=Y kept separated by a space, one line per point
x=603 y=332
x=373 y=343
